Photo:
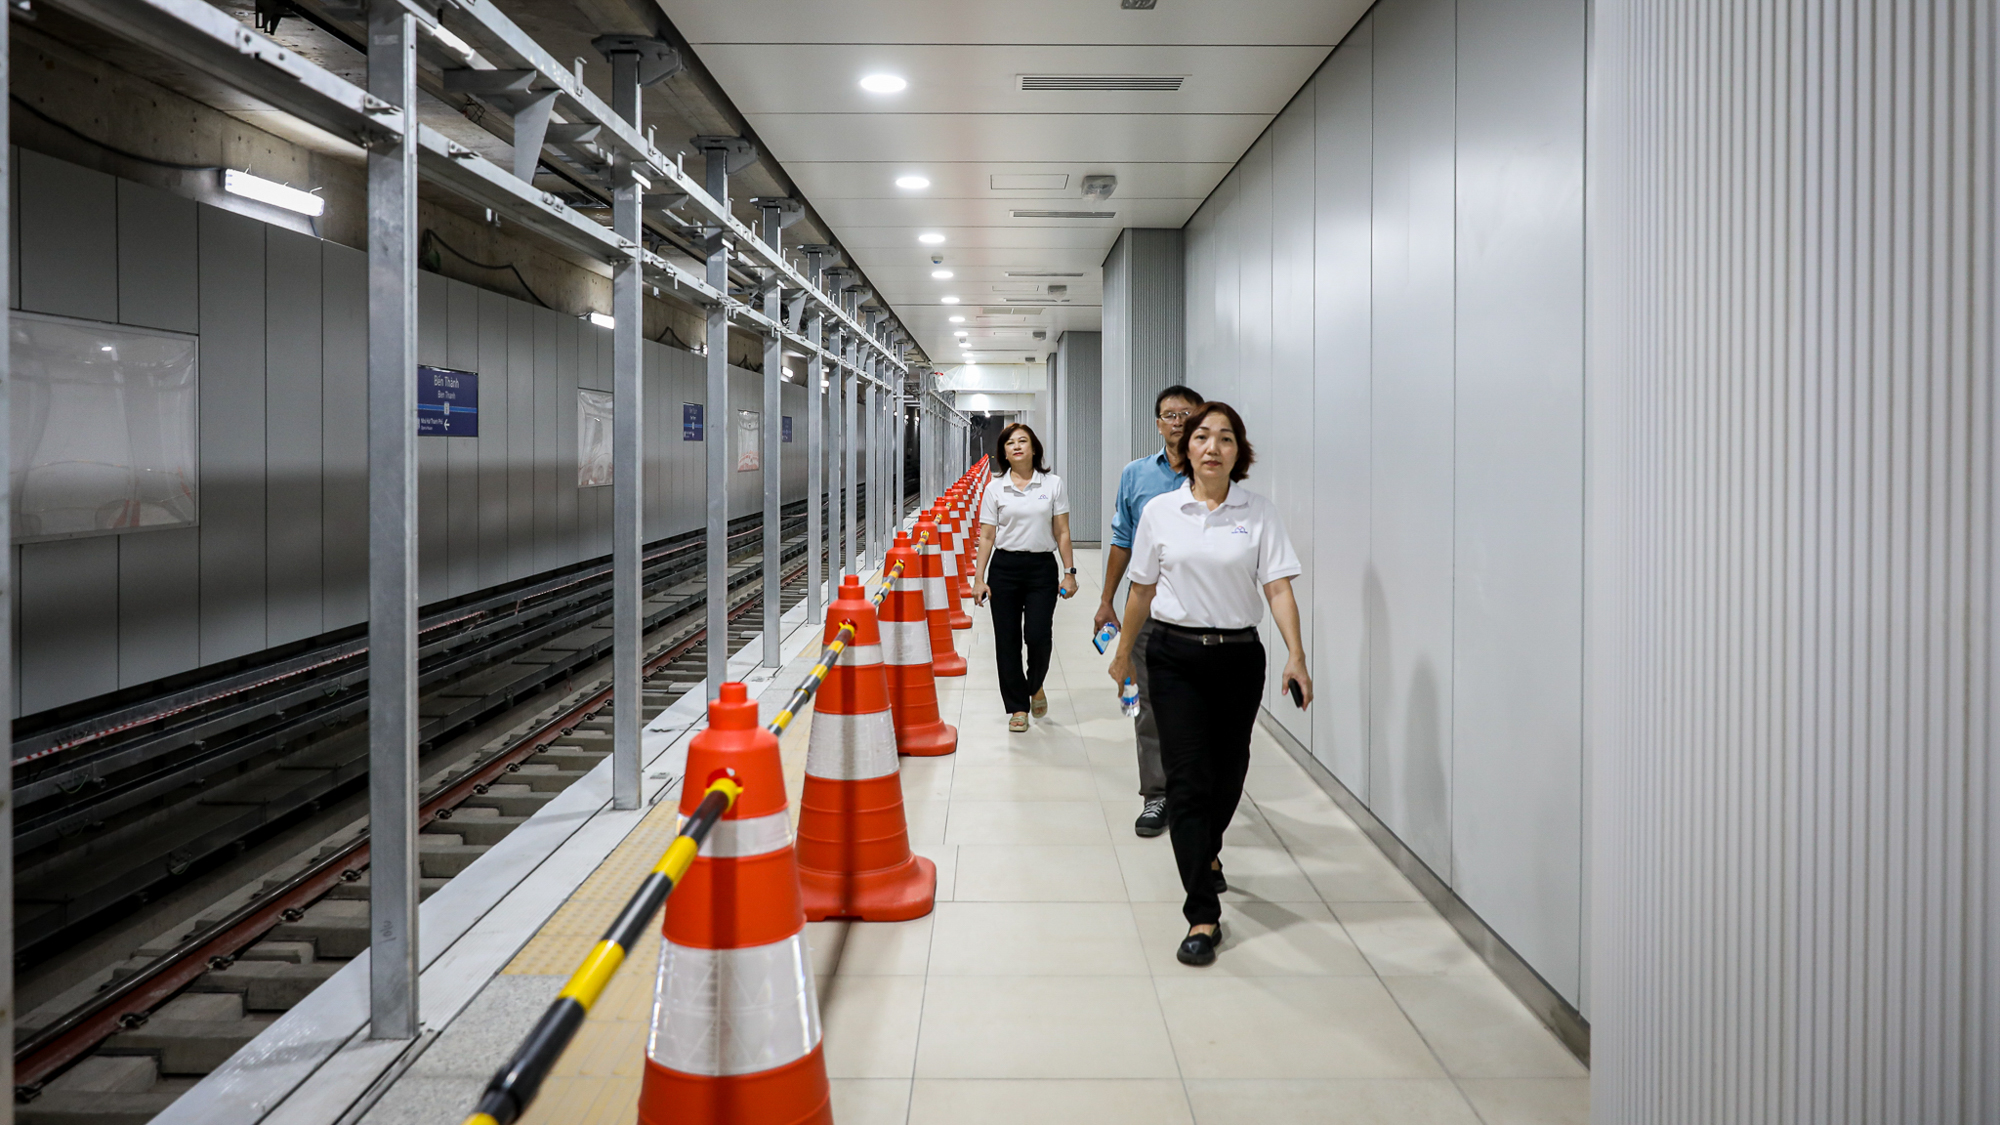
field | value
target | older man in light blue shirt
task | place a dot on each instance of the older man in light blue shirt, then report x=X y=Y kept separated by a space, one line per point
x=1143 y=479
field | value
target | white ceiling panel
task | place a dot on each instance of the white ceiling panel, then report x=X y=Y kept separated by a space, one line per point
x=1075 y=235
x=963 y=118
x=863 y=22
x=962 y=78
x=1208 y=137
x=939 y=214
x=822 y=181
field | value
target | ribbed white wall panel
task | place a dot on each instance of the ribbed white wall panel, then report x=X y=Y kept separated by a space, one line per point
x=1792 y=557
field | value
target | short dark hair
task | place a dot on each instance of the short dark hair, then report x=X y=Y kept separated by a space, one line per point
x=1185 y=394
x=1035 y=443
x=1245 y=456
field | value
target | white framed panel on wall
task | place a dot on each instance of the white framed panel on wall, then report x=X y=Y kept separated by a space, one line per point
x=104 y=427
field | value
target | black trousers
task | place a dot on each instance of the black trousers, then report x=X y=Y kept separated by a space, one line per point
x=1205 y=698
x=1024 y=601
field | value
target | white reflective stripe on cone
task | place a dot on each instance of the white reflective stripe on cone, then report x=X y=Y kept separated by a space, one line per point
x=854 y=656
x=756 y=835
x=906 y=642
x=906 y=583
x=934 y=595
x=951 y=564
x=851 y=747
x=719 y=1012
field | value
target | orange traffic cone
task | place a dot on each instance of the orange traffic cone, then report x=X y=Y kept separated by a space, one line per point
x=963 y=533
x=854 y=847
x=906 y=657
x=945 y=660
x=736 y=1030
x=948 y=555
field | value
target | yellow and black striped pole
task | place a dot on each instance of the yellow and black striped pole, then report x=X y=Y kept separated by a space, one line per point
x=515 y=1086
x=830 y=655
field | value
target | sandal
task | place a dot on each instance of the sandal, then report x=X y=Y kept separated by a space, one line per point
x=1017 y=722
x=1040 y=704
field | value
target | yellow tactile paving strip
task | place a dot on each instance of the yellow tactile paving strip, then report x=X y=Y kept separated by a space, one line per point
x=596 y=1081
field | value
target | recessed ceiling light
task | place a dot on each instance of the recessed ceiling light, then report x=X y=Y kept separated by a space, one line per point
x=961 y=332
x=941 y=274
x=958 y=320
x=949 y=300
x=930 y=238
x=884 y=84
x=912 y=183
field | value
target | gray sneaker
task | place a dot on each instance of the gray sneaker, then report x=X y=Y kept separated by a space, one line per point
x=1153 y=820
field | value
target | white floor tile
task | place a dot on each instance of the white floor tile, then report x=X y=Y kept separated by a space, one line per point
x=1036 y=939
x=1073 y=1101
x=1052 y=873
x=1043 y=1027
x=1479 y=1029
x=1349 y=1101
x=1291 y=1027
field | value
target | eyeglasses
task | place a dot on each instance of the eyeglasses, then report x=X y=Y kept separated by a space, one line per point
x=1176 y=415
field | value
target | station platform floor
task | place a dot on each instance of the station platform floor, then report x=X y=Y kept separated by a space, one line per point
x=1044 y=986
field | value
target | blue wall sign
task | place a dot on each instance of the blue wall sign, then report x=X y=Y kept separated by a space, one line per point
x=690 y=421
x=787 y=427
x=447 y=402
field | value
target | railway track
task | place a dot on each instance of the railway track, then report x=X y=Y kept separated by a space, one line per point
x=502 y=737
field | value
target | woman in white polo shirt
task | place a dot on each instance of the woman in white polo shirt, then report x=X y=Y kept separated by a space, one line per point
x=1205 y=559
x=1024 y=523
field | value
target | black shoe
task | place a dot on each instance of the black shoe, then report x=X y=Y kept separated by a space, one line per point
x=1199 y=949
x=1216 y=880
x=1153 y=820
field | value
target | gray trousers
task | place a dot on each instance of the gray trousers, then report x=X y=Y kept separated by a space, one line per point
x=1152 y=775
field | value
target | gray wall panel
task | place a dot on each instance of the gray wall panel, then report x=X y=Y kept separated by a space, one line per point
x=433 y=491
x=1080 y=460
x=1410 y=678
x=1518 y=613
x=550 y=549
x=492 y=568
x=1342 y=454
x=233 y=523
x=344 y=435
x=156 y=259
x=69 y=626
x=159 y=604
x=569 y=331
x=68 y=236
x=519 y=450
x=1389 y=287
x=1287 y=398
x=461 y=532
x=292 y=433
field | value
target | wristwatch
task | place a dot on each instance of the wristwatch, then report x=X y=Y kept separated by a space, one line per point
x=1071 y=570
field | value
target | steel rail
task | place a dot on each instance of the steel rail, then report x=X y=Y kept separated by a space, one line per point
x=127 y=1002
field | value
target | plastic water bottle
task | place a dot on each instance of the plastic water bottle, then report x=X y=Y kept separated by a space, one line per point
x=1105 y=636
x=1128 y=698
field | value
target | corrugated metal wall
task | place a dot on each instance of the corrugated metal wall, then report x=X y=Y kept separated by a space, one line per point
x=1143 y=349
x=1793 y=561
x=1389 y=286
x=281 y=551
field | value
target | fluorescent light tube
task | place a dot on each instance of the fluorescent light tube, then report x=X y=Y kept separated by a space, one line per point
x=602 y=321
x=272 y=192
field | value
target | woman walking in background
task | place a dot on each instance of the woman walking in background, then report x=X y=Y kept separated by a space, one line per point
x=1024 y=524
x=1205 y=559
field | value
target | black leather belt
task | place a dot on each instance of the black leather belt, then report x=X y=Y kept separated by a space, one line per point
x=1211 y=636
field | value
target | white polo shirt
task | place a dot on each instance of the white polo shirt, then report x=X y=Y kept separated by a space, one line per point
x=1211 y=566
x=1023 y=519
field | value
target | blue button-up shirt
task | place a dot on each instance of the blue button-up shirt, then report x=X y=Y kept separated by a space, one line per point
x=1138 y=483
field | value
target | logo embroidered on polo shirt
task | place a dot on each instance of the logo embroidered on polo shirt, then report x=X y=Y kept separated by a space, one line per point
x=1240 y=530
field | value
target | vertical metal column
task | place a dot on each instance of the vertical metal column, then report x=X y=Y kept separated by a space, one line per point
x=850 y=430
x=392 y=534
x=902 y=426
x=836 y=476
x=628 y=475
x=773 y=471
x=6 y=605
x=815 y=454
x=877 y=502
x=716 y=428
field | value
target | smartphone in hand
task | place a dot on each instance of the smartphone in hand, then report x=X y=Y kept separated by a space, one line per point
x=1298 y=697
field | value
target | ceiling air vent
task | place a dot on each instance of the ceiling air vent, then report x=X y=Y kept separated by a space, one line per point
x=1161 y=83
x=1024 y=214
x=1010 y=310
x=1041 y=273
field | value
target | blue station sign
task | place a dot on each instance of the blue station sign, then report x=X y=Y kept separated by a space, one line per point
x=690 y=421
x=447 y=402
